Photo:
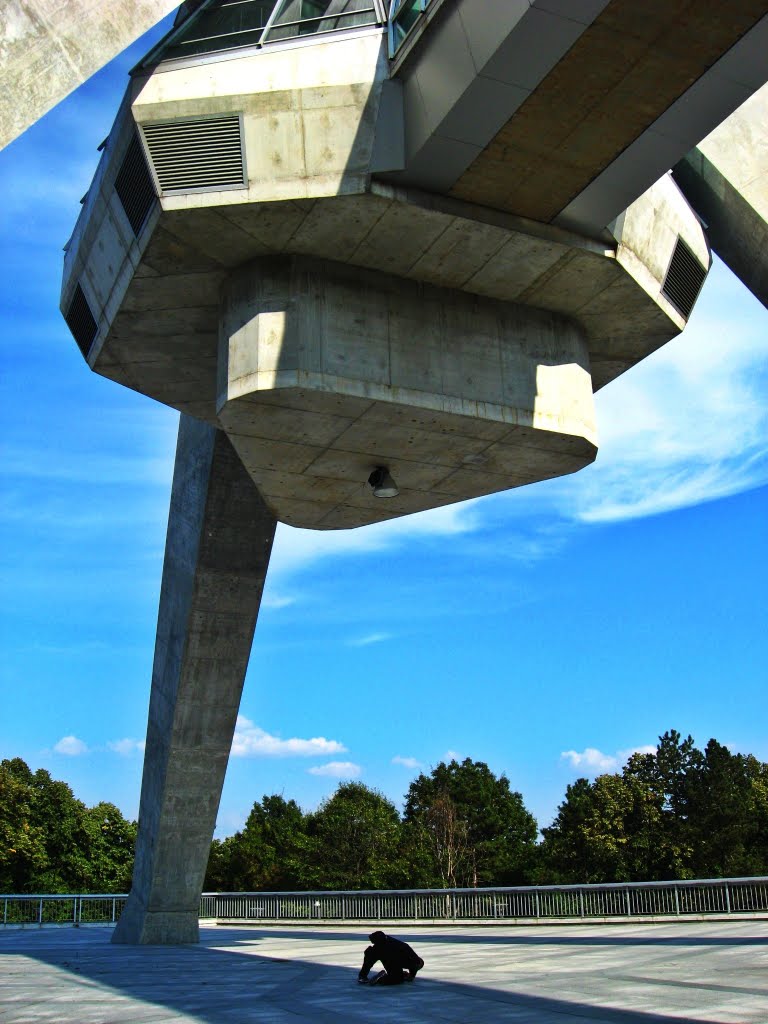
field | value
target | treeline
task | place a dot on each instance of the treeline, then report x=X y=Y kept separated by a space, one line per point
x=676 y=813
x=51 y=842
x=679 y=812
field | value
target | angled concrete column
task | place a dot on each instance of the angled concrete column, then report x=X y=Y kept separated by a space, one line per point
x=217 y=550
x=48 y=49
x=725 y=179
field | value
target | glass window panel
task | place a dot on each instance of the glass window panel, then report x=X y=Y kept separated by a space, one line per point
x=305 y=17
x=405 y=17
x=221 y=27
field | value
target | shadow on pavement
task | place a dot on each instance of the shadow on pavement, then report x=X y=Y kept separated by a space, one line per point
x=214 y=985
x=251 y=933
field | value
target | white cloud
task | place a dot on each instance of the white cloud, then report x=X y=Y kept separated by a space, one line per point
x=71 y=746
x=294 y=549
x=370 y=638
x=452 y=755
x=687 y=425
x=592 y=761
x=126 y=746
x=277 y=601
x=251 y=741
x=407 y=762
x=337 y=770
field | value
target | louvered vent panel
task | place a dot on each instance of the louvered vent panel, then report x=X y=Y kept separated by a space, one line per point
x=81 y=322
x=202 y=154
x=134 y=186
x=684 y=279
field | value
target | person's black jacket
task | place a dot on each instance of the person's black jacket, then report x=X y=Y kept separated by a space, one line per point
x=395 y=955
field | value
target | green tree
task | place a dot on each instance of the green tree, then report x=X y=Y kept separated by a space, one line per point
x=673 y=775
x=473 y=829
x=725 y=814
x=22 y=841
x=266 y=855
x=604 y=831
x=675 y=813
x=52 y=842
x=354 y=841
x=109 y=841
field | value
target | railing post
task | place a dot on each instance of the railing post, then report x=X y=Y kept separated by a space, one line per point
x=538 y=907
x=114 y=909
x=727 y=899
x=677 y=902
x=40 y=912
x=629 y=902
x=581 y=903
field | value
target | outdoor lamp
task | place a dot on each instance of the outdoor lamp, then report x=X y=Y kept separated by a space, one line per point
x=382 y=483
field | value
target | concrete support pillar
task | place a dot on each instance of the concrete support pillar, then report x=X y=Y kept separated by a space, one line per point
x=725 y=179
x=48 y=49
x=217 y=550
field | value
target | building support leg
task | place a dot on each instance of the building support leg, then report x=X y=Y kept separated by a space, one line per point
x=217 y=551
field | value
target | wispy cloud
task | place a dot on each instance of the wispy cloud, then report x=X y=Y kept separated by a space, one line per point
x=251 y=741
x=452 y=755
x=687 y=425
x=277 y=601
x=296 y=549
x=368 y=639
x=127 y=746
x=592 y=761
x=71 y=746
x=337 y=770
x=407 y=762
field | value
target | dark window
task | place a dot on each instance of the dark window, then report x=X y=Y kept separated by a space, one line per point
x=81 y=322
x=134 y=186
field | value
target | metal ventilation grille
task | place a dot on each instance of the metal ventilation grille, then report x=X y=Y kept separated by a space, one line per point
x=134 y=186
x=201 y=154
x=81 y=322
x=684 y=279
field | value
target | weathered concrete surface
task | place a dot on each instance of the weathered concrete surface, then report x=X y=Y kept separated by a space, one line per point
x=326 y=371
x=726 y=181
x=48 y=49
x=217 y=551
x=594 y=974
x=591 y=127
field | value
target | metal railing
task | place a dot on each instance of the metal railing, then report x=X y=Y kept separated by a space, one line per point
x=615 y=901
x=73 y=909
x=595 y=902
x=213 y=30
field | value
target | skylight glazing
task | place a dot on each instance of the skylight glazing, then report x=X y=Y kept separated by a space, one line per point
x=221 y=25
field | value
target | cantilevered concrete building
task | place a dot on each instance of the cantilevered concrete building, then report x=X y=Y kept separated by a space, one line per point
x=380 y=257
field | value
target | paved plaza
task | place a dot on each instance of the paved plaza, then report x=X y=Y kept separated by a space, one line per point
x=628 y=974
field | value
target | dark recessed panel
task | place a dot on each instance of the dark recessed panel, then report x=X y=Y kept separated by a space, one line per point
x=81 y=322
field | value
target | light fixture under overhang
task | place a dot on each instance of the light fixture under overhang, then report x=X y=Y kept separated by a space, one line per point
x=382 y=483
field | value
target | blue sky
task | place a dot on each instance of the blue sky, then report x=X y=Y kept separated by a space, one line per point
x=547 y=631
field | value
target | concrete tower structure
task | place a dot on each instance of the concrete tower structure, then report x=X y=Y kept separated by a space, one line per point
x=357 y=244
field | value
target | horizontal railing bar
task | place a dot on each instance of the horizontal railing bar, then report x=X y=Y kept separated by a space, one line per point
x=599 y=901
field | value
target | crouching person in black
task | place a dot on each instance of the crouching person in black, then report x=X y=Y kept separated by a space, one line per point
x=399 y=961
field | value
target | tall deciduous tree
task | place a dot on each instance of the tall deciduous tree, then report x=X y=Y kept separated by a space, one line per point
x=267 y=854
x=354 y=841
x=52 y=842
x=675 y=813
x=475 y=830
